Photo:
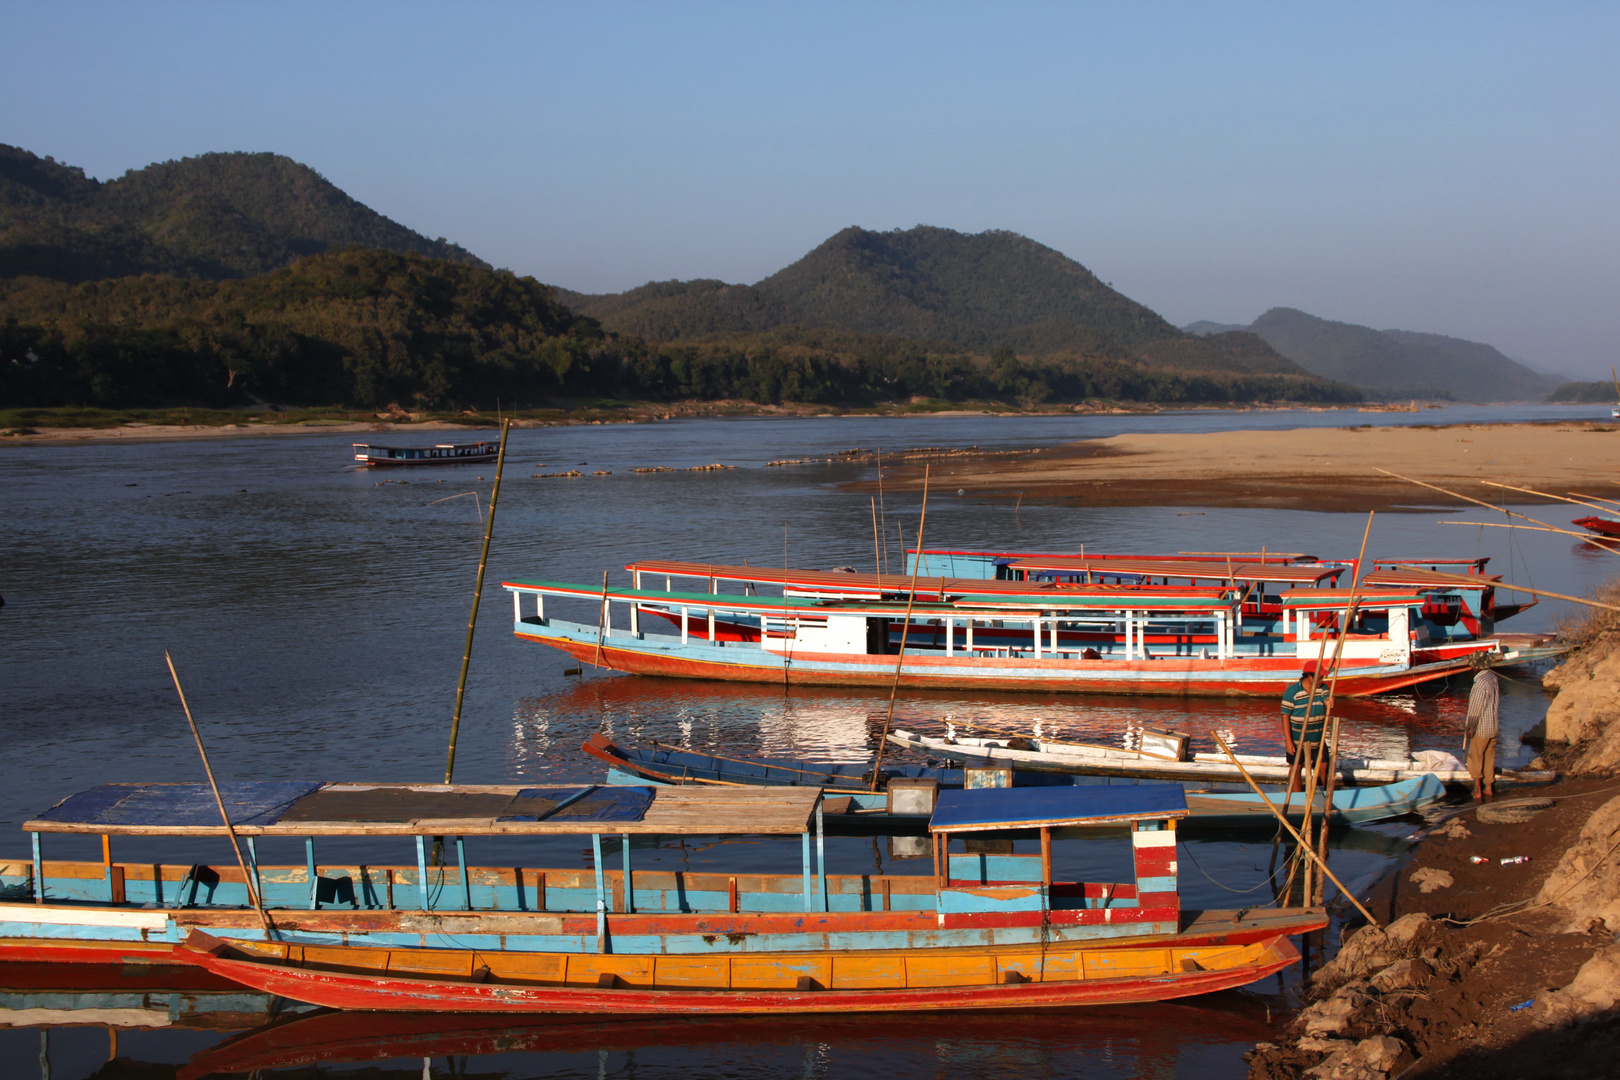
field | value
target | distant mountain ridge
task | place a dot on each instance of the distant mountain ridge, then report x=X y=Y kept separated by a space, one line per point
x=980 y=293
x=214 y=216
x=1395 y=363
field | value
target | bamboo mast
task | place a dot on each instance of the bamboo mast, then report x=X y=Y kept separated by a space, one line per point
x=219 y=800
x=478 y=589
x=1488 y=506
x=905 y=628
x=1333 y=686
x=1547 y=495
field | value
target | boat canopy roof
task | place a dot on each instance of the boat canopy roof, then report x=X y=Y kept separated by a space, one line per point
x=988 y=809
x=1338 y=598
x=313 y=808
x=1412 y=577
x=844 y=583
x=1169 y=600
x=1193 y=569
x=1212 y=556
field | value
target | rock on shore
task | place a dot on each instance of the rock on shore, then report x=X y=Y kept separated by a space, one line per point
x=1488 y=970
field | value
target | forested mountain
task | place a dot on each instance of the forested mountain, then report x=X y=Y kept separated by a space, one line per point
x=223 y=278
x=977 y=293
x=1586 y=393
x=213 y=216
x=368 y=328
x=1396 y=363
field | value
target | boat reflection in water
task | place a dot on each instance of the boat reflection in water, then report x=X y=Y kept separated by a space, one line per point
x=830 y=724
x=1162 y=1040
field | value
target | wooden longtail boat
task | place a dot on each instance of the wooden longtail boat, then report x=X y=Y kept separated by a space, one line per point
x=1450 y=611
x=1094 y=759
x=851 y=808
x=982 y=931
x=1181 y=642
x=439 y=454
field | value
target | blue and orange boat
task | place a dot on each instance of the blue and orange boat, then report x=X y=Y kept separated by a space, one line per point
x=981 y=931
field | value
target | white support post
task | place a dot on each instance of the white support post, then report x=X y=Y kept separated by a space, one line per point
x=950 y=636
x=1035 y=625
x=517 y=607
x=683 y=625
x=607 y=618
x=711 y=626
x=635 y=618
x=540 y=607
x=970 y=637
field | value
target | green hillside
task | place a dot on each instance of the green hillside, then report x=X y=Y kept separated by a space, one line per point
x=1586 y=393
x=1394 y=364
x=365 y=328
x=213 y=216
x=977 y=293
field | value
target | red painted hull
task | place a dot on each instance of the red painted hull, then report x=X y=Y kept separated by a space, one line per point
x=387 y=993
x=1600 y=525
x=1148 y=678
x=113 y=954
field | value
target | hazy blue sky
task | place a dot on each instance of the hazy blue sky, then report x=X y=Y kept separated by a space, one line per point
x=1440 y=167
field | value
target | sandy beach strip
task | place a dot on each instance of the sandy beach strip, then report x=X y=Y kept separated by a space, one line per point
x=1328 y=469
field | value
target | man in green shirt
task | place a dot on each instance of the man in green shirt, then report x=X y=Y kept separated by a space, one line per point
x=1304 y=719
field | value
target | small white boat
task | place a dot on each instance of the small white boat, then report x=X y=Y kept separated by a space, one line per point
x=1049 y=755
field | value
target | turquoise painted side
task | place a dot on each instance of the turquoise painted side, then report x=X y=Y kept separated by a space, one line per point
x=668 y=944
x=983 y=868
x=992 y=898
x=843 y=895
x=1156 y=884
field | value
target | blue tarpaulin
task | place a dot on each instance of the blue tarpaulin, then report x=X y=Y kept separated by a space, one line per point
x=249 y=802
x=1020 y=808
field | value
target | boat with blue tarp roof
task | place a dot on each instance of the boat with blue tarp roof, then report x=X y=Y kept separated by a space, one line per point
x=982 y=931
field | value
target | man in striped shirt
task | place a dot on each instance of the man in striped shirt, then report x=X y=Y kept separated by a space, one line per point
x=1304 y=718
x=1482 y=727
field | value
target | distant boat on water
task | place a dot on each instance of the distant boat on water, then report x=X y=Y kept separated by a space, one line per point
x=438 y=454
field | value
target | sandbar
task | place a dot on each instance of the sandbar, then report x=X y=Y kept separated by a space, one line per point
x=1327 y=469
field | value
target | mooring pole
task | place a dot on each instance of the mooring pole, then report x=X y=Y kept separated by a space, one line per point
x=478 y=589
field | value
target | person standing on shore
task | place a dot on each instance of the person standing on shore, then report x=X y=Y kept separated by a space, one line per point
x=1304 y=720
x=1482 y=726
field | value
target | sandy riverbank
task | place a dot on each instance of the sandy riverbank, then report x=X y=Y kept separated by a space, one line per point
x=1300 y=469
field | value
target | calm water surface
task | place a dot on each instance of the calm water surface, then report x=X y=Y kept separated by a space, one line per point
x=317 y=613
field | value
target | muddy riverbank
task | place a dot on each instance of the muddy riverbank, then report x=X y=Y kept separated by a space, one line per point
x=1488 y=969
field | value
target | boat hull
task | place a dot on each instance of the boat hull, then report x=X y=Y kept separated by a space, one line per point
x=1172 y=676
x=329 y=978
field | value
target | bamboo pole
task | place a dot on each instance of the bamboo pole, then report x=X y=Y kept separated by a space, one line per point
x=1348 y=895
x=882 y=514
x=219 y=800
x=1474 y=579
x=1488 y=506
x=877 y=555
x=1510 y=525
x=478 y=589
x=905 y=628
x=1599 y=498
x=601 y=625
x=1333 y=683
x=1545 y=495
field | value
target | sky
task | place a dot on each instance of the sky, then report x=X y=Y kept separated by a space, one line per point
x=1439 y=167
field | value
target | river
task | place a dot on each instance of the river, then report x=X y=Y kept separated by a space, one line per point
x=317 y=614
